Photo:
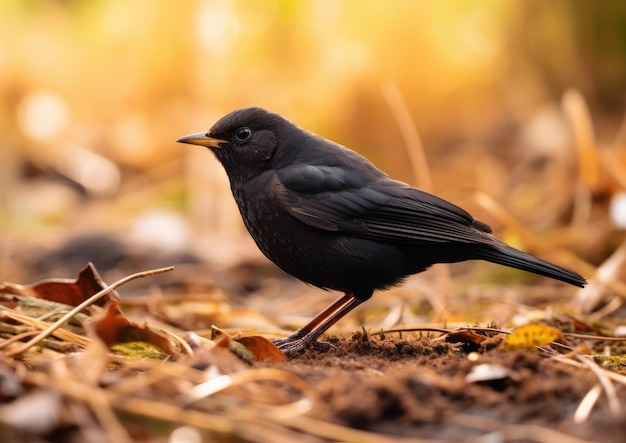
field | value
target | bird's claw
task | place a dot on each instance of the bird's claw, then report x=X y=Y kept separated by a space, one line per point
x=290 y=345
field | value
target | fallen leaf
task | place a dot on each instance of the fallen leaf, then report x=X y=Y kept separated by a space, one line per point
x=139 y=349
x=66 y=291
x=531 y=336
x=262 y=348
x=219 y=337
x=471 y=340
x=113 y=328
x=249 y=348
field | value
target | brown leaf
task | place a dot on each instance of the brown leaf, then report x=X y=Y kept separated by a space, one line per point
x=249 y=348
x=66 y=291
x=224 y=340
x=471 y=340
x=262 y=348
x=114 y=328
x=221 y=338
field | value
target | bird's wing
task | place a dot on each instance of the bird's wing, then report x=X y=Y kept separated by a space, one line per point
x=334 y=198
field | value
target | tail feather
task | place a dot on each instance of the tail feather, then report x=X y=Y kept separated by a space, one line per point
x=508 y=256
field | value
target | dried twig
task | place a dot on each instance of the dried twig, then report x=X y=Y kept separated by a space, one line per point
x=587 y=403
x=412 y=140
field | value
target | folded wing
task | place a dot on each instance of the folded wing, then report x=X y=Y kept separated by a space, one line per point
x=375 y=206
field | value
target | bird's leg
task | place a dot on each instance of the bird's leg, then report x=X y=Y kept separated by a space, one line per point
x=319 y=318
x=308 y=334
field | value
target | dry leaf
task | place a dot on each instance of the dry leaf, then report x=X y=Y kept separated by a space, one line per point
x=531 y=336
x=66 y=291
x=262 y=348
x=221 y=338
x=248 y=348
x=114 y=328
x=471 y=340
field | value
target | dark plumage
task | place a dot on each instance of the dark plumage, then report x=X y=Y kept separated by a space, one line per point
x=329 y=217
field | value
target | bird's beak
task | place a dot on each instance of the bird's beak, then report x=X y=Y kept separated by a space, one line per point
x=202 y=139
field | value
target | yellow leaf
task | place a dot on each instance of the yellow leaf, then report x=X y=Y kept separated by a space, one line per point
x=531 y=336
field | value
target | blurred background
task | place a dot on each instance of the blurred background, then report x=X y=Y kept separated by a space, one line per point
x=513 y=110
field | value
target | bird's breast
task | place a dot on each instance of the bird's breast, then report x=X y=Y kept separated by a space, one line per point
x=322 y=258
x=270 y=226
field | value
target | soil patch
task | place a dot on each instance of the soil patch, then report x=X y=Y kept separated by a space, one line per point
x=419 y=387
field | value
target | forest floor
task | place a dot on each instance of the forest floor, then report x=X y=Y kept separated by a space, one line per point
x=148 y=364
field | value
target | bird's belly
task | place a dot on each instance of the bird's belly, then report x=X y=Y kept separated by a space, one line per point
x=327 y=259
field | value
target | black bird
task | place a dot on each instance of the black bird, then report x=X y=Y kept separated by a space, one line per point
x=328 y=216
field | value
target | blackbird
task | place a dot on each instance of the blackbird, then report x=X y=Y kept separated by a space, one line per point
x=328 y=216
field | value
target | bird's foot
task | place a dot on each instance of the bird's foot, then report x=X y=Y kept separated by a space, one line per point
x=293 y=344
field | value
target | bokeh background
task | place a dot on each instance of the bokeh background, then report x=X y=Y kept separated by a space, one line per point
x=512 y=109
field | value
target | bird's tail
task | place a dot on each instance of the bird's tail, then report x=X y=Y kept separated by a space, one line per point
x=508 y=256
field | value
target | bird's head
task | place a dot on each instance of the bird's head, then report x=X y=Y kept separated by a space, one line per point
x=244 y=141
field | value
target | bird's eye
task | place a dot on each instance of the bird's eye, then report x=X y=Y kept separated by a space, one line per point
x=243 y=134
